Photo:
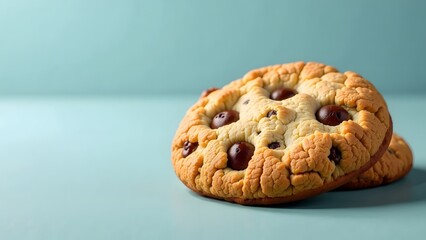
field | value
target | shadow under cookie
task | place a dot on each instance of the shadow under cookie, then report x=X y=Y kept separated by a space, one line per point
x=410 y=189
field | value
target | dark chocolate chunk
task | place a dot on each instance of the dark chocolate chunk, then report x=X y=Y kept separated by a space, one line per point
x=239 y=155
x=335 y=155
x=188 y=148
x=282 y=93
x=332 y=115
x=274 y=145
x=224 y=118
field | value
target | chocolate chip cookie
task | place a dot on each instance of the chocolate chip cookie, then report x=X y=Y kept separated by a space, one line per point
x=281 y=133
x=395 y=164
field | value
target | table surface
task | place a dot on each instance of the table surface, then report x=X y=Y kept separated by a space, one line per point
x=99 y=168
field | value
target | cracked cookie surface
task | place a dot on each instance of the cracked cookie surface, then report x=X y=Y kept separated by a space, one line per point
x=394 y=165
x=281 y=133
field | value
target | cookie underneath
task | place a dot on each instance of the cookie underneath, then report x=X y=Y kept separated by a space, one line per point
x=394 y=165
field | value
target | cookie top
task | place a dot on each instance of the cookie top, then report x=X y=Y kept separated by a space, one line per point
x=394 y=164
x=281 y=133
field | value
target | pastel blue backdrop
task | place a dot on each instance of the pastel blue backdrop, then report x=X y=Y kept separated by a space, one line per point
x=92 y=92
x=183 y=46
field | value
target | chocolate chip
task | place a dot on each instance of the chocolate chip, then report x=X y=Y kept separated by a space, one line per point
x=224 y=118
x=274 y=145
x=332 y=115
x=246 y=101
x=205 y=93
x=282 y=93
x=335 y=155
x=188 y=148
x=271 y=113
x=239 y=155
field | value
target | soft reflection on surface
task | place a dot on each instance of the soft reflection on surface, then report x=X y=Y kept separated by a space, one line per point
x=412 y=188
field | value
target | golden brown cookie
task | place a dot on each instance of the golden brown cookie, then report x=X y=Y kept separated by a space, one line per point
x=395 y=164
x=281 y=133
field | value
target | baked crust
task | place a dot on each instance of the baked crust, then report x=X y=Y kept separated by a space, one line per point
x=300 y=167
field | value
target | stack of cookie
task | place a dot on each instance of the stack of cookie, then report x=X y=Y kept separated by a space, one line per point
x=287 y=132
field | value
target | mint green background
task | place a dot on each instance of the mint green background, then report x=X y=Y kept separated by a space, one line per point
x=158 y=46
